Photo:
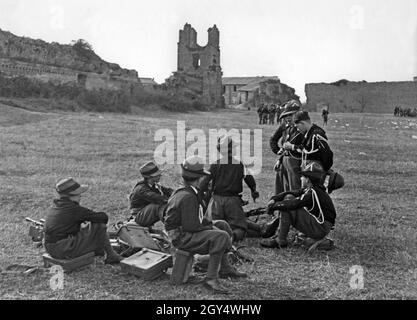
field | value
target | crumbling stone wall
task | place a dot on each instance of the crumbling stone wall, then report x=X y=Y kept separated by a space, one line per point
x=198 y=70
x=373 y=97
x=273 y=91
x=20 y=56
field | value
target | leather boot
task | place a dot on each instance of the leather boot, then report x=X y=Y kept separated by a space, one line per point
x=232 y=272
x=215 y=286
x=270 y=228
x=228 y=271
x=274 y=243
x=284 y=227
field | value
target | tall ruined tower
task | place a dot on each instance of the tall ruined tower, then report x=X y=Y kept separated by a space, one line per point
x=199 y=67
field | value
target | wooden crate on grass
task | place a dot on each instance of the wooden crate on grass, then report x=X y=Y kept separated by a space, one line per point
x=147 y=264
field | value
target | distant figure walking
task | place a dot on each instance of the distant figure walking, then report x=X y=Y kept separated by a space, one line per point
x=396 y=111
x=260 y=110
x=265 y=114
x=325 y=116
x=271 y=115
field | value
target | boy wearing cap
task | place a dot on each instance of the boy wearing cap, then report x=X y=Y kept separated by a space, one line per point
x=64 y=237
x=148 y=198
x=289 y=163
x=316 y=152
x=309 y=210
x=227 y=176
x=191 y=229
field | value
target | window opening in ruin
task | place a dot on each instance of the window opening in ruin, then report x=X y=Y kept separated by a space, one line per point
x=234 y=88
x=196 y=61
x=82 y=79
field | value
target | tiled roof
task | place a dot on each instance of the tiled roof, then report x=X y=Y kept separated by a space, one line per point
x=244 y=80
x=252 y=86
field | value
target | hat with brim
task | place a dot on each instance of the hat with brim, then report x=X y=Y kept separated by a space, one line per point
x=336 y=181
x=193 y=168
x=69 y=187
x=290 y=110
x=150 y=170
x=316 y=177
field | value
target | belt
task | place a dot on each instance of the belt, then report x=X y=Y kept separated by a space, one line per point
x=228 y=195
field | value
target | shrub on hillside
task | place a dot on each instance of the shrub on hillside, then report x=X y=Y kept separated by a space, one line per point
x=96 y=100
x=176 y=102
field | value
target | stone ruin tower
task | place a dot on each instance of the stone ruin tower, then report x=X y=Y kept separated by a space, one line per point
x=199 y=68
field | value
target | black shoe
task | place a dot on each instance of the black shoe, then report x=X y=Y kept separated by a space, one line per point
x=273 y=243
x=232 y=273
x=325 y=244
x=114 y=259
x=100 y=253
x=270 y=228
x=195 y=279
x=215 y=287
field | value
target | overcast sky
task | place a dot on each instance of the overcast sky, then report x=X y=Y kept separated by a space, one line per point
x=301 y=41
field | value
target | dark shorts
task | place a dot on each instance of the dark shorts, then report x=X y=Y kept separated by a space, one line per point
x=150 y=215
x=290 y=176
x=228 y=209
x=205 y=242
x=307 y=224
x=89 y=239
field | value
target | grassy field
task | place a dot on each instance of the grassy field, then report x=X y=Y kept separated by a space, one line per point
x=376 y=224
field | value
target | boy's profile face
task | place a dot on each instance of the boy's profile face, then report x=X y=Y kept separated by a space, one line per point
x=301 y=126
x=153 y=180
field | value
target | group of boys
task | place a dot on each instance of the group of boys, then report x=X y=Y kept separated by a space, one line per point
x=304 y=161
x=268 y=112
x=205 y=216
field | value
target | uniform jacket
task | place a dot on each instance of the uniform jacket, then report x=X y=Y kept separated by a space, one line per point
x=65 y=218
x=185 y=213
x=288 y=133
x=144 y=194
x=314 y=147
x=315 y=200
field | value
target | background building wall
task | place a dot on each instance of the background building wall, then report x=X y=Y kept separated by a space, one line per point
x=376 y=97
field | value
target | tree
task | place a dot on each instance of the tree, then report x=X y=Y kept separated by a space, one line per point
x=83 y=48
x=363 y=102
x=81 y=44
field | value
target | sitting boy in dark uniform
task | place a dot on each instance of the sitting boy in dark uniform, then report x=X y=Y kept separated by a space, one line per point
x=148 y=198
x=191 y=229
x=309 y=210
x=64 y=237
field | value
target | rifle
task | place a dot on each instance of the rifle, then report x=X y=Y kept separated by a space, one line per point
x=36 y=229
x=257 y=212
